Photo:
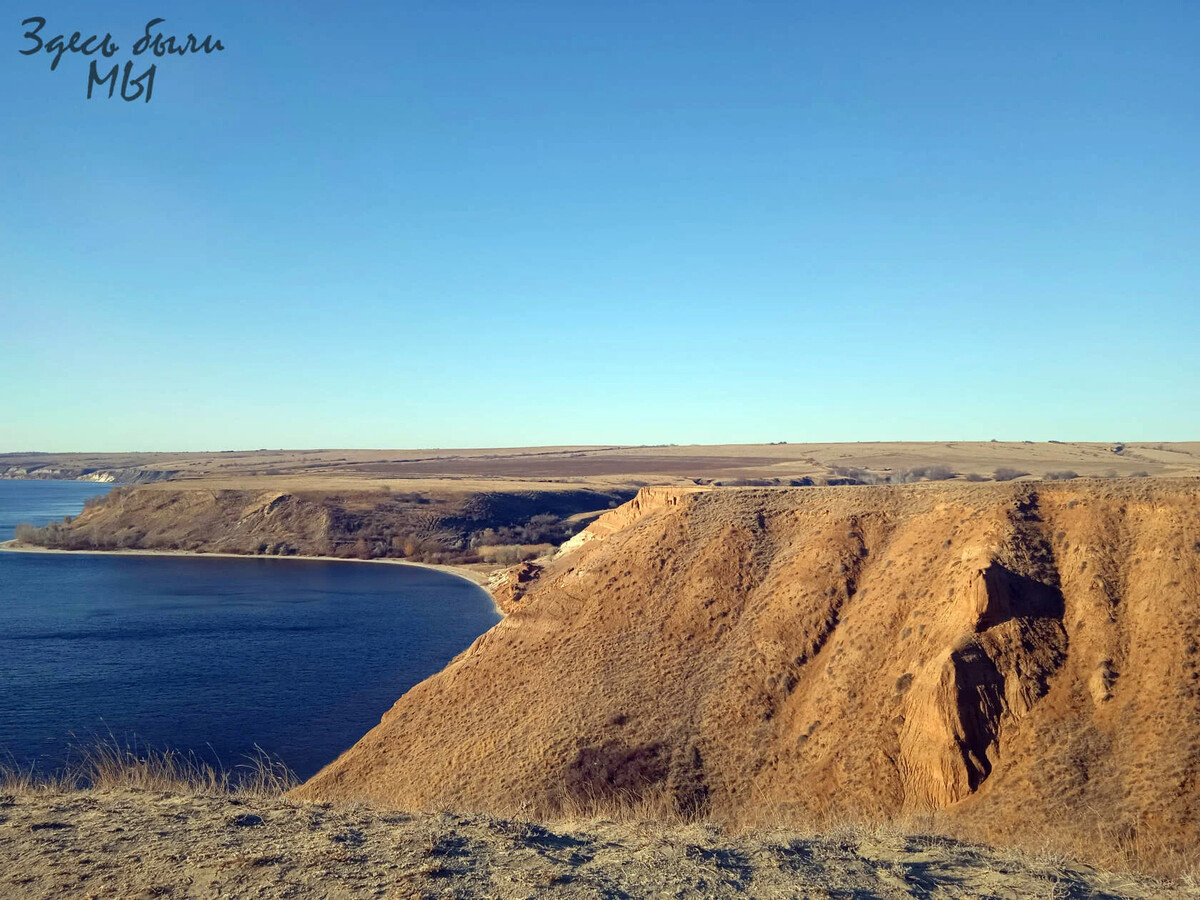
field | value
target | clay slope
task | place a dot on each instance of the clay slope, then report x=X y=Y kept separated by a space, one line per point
x=1025 y=658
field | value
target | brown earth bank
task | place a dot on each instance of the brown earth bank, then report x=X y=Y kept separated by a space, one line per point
x=448 y=527
x=1021 y=658
x=139 y=843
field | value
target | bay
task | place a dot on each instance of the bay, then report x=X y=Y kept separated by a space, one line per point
x=208 y=654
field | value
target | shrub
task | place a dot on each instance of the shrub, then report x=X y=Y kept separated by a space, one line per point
x=853 y=475
x=975 y=476
x=1005 y=474
x=922 y=473
x=96 y=500
x=544 y=528
x=129 y=540
x=511 y=554
x=1061 y=475
x=27 y=533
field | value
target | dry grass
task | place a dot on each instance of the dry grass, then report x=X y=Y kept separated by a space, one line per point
x=145 y=843
x=1105 y=848
x=614 y=837
x=621 y=807
x=108 y=764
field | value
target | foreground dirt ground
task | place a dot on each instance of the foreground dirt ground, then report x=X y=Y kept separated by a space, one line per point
x=127 y=844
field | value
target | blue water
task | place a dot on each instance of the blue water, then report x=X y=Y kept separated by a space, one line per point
x=212 y=655
x=40 y=502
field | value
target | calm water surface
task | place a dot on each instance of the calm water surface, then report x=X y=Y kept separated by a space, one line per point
x=213 y=655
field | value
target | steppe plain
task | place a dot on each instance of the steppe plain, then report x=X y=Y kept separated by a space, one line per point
x=974 y=606
x=604 y=466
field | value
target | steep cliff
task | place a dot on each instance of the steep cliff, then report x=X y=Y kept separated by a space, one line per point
x=1023 y=658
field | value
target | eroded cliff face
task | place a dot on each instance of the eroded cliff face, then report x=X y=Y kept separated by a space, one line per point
x=510 y=586
x=1021 y=657
x=120 y=475
x=647 y=500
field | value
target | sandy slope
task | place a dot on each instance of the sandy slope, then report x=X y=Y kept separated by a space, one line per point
x=1023 y=657
x=141 y=844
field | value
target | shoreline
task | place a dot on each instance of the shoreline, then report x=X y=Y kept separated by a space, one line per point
x=478 y=579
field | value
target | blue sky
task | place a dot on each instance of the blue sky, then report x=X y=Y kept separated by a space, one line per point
x=477 y=224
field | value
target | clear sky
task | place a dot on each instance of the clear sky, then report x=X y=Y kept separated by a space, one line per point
x=445 y=223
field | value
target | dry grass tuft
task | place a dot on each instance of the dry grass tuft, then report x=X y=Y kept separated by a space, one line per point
x=1107 y=849
x=108 y=764
x=624 y=807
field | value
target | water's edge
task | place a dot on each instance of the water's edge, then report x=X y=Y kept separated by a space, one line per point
x=478 y=579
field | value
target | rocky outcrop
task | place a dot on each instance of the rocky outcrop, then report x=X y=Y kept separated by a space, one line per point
x=509 y=586
x=1014 y=660
x=646 y=501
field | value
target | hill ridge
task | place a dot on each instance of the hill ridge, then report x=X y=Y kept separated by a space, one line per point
x=1015 y=656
